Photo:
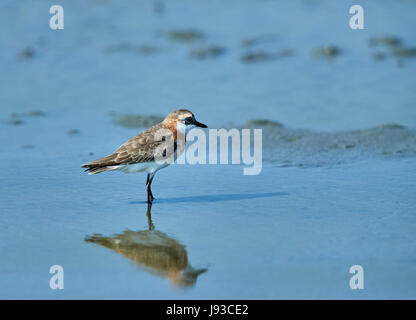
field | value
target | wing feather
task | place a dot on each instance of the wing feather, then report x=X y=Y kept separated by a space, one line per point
x=140 y=148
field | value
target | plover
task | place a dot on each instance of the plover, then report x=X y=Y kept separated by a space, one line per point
x=140 y=153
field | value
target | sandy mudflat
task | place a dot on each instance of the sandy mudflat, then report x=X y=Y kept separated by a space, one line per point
x=338 y=180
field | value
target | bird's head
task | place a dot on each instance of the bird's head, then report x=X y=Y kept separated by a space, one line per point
x=183 y=117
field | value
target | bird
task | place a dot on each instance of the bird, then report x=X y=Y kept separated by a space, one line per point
x=141 y=153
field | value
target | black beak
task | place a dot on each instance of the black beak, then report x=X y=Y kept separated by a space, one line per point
x=199 y=124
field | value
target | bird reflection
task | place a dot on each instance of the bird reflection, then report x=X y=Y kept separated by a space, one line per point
x=153 y=251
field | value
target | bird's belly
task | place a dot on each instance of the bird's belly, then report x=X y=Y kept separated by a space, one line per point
x=149 y=167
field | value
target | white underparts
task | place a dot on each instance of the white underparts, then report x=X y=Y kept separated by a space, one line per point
x=149 y=167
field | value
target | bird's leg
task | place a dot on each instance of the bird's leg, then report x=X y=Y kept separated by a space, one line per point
x=148 y=187
x=150 y=182
x=149 y=191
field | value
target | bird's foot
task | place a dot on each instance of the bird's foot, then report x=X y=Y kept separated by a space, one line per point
x=150 y=198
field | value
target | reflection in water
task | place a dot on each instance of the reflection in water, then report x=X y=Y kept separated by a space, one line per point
x=154 y=251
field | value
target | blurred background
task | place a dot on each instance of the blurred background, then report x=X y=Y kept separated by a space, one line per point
x=226 y=60
x=336 y=101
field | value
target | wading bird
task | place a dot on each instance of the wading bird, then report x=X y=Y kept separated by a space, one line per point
x=140 y=153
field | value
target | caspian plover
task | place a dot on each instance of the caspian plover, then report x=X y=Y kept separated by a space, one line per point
x=139 y=154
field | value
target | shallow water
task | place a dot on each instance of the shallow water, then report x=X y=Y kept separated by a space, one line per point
x=288 y=233
x=338 y=177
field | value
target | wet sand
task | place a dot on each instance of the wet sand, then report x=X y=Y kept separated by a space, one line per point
x=339 y=151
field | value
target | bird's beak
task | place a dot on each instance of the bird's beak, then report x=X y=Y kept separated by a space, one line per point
x=199 y=124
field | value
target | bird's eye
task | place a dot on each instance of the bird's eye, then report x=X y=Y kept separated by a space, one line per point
x=188 y=120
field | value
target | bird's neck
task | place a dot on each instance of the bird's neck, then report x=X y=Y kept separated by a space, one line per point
x=178 y=129
x=181 y=130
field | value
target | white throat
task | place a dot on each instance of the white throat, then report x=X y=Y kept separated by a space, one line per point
x=183 y=129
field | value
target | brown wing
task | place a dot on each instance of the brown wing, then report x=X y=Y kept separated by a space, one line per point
x=140 y=148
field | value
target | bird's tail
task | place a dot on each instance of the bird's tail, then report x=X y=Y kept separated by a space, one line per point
x=95 y=170
x=101 y=165
x=91 y=169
